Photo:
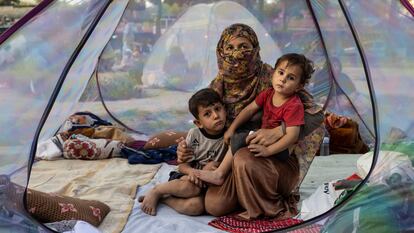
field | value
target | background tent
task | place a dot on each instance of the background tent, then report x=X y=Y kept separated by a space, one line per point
x=50 y=55
x=202 y=23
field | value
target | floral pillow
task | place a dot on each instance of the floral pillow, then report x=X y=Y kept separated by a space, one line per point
x=91 y=149
x=165 y=139
x=48 y=207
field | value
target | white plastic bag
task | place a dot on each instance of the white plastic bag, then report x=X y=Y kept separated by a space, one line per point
x=51 y=149
x=320 y=201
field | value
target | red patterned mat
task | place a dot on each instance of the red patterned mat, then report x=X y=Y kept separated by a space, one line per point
x=315 y=228
x=235 y=224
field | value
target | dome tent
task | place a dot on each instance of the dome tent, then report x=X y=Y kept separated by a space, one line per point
x=200 y=22
x=43 y=73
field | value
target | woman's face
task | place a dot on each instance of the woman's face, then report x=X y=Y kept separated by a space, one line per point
x=238 y=52
x=237 y=44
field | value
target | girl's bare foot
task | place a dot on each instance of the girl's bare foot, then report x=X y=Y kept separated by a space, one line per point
x=212 y=177
x=150 y=202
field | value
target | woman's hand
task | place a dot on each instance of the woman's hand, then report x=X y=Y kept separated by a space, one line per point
x=259 y=150
x=184 y=153
x=265 y=137
x=227 y=136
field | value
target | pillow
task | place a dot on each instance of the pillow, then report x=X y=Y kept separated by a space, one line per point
x=165 y=139
x=91 y=149
x=53 y=208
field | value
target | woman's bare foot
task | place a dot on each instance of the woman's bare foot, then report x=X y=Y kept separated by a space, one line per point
x=150 y=202
x=212 y=177
x=244 y=215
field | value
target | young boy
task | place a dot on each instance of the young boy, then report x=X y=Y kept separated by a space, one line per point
x=280 y=104
x=183 y=192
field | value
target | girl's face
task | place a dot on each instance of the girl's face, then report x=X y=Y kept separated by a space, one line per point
x=286 y=79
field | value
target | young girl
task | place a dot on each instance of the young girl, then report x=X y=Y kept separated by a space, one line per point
x=280 y=104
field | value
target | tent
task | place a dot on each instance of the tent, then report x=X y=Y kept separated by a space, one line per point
x=139 y=61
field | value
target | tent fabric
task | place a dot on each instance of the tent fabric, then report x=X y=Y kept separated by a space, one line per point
x=149 y=60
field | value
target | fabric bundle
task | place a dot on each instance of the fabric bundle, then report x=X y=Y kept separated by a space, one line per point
x=153 y=156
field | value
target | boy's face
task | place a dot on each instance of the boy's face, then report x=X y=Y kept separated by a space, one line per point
x=212 y=118
x=286 y=80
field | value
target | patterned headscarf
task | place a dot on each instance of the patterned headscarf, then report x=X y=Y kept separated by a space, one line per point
x=242 y=74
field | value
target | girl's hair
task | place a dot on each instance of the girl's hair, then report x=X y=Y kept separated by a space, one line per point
x=298 y=60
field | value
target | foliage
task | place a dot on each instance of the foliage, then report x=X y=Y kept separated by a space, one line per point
x=9 y=2
x=115 y=86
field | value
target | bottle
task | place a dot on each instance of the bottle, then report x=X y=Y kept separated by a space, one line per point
x=324 y=150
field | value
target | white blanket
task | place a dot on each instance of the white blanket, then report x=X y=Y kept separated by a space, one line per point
x=167 y=219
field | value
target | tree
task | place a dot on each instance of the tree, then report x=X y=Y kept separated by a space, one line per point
x=9 y=2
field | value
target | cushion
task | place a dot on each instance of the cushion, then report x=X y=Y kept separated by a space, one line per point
x=53 y=208
x=91 y=149
x=165 y=139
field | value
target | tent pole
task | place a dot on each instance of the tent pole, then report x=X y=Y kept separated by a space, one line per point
x=22 y=21
x=408 y=6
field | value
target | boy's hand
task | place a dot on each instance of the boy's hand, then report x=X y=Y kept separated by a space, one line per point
x=184 y=153
x=227 y=136
x=259 y=150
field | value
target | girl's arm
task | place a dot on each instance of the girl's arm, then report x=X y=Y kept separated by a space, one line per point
x=245 y=115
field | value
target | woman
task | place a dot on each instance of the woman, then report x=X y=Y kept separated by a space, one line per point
x=260 y=186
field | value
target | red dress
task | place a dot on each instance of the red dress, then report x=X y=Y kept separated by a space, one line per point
x=291 y=112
